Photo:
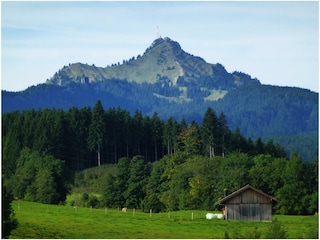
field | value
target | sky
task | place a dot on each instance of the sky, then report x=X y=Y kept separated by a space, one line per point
x=275 y=42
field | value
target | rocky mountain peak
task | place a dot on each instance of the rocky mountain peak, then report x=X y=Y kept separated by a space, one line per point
x=164 y=43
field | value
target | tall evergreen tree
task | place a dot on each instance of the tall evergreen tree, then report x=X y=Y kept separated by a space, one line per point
x=112 y=135
x=30 y=121
x=170 y=133
x=97 y=130
x=137 y=132
x=223 y=133
x=147 y=137
x=157 y=129
x=259 y=146
x=209 y=131
x=82 y=132
x=124 y=121
x=238 y=142
x=60 y=135
x=74 y=139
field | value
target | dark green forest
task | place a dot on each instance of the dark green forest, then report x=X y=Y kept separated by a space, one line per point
x=158 y=164
x=288 y=116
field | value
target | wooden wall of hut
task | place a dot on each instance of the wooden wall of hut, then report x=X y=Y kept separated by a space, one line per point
x=249 y=205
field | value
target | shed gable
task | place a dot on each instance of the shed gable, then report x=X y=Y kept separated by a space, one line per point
x=248 y=196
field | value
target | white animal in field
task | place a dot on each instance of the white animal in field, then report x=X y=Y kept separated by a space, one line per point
x=124 y=209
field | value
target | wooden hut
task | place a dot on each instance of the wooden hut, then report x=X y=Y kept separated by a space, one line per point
x=248 y=203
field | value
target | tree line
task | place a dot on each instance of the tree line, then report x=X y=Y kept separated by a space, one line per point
x=88 y=137
x=268 y=112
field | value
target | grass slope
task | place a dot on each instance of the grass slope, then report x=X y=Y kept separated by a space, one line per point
x=51 y=221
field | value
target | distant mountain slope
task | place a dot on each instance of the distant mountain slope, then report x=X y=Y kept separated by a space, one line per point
x=171 y=82
x=163 y=61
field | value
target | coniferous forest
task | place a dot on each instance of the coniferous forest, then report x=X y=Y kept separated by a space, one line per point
x=157 y=164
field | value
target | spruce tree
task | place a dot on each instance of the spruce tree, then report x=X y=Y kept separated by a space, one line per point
x=209 y=131
x=96 y=130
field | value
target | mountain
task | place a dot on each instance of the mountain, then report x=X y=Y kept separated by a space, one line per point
x=163 y=61
x=167 y=80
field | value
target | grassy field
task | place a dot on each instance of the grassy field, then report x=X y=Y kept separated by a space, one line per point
x=52 y=221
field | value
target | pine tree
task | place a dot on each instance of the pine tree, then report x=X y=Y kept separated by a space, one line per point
x=137 y=130
x=157 y=129
x=223 y=132
x=209 y=131
x=170 y=133
x=96 y=130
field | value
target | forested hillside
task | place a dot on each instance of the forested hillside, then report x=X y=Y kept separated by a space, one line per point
x=185 y=181
x=158 y=164
x=282 y=114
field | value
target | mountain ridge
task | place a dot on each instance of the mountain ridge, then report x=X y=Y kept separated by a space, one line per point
x=164 y=61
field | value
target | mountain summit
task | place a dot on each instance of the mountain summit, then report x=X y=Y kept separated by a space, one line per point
x=164 y=61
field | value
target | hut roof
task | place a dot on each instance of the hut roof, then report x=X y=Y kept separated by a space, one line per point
x=235 y=193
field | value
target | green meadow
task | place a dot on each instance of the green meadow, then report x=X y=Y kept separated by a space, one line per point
x=58 y=221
